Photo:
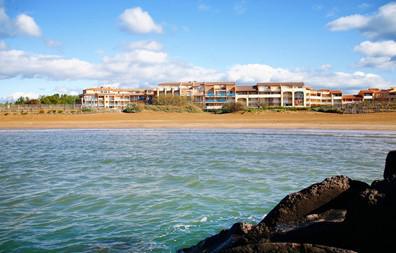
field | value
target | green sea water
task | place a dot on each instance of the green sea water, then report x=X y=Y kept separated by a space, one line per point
x=151 y=190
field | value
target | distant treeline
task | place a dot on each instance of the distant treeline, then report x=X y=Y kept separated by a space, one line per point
x=54 y=99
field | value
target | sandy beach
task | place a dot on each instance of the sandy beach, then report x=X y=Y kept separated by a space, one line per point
x=148 y=119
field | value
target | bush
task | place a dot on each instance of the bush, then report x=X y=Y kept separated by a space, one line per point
x=5 y=114
x=328 y=109
x=171 y=100
x=41 y=111
x=171 y=108
x=60 y=111
x=87 y=109
x=233 y=107
x=132 y=108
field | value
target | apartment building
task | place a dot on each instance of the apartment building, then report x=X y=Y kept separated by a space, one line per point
x=272 y=94
x=324 y=97
x=213 y=95
x=209 y=95
x=107 y=97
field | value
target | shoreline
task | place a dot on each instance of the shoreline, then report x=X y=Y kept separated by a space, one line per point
x=266 y=120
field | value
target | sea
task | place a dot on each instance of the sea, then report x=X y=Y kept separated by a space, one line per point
x=158 y=190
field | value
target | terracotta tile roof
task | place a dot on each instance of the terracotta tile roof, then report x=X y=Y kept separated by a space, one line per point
x=335 y=92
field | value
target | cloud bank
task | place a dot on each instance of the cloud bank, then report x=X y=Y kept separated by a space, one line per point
x=144 y=63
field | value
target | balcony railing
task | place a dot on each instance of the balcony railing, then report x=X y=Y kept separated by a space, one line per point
x=222 y=94
x=215 y=100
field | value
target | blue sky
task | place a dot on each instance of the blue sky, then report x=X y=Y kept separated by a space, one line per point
x=65 y=46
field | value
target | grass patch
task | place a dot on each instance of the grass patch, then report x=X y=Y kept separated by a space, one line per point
x=172 y=108
x=87 y=110
x=133 y=108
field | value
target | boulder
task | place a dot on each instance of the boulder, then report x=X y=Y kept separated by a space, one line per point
x=294 y=207
x=227 y=238
x=269 y=247
x=337 y=215
x=390 y=165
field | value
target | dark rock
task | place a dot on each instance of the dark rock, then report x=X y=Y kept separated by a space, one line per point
x=225 y=239
x=336 y=215
x=296 y=206
x=390 y=165
x=286 y=248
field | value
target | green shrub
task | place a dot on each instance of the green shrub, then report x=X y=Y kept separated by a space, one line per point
x=60 y=111
x=85 y=109
x=41 y=111
x=327 y=109
x=172 y=108
x=171 y=100
x=132 y=108
x=233 y=107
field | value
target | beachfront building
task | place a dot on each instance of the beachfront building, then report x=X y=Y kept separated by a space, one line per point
x=108 y=97
x=292 y=94
x=386 y=95
x=324 y=97
x=213 y=95
x=209 y=95
x=351 y=99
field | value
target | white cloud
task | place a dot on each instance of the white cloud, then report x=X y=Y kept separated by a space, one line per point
x=348 y=22
x=146 y=67
x=381 y=48
x=381 y=25
x=16 y=63
x=149 y=45
x=262 y=73
x=136 y=20
x=22 y=25
x=377 y=54
x=382 y=62
x=26 y=25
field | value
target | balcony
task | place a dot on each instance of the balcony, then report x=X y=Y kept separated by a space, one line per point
x=215 y=100
x=220 y=94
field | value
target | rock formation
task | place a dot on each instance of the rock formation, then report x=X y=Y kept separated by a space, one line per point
x=336 y=215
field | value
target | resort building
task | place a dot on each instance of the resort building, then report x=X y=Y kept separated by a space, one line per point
x=213 y=95
x=210 y=95
x=107 y=97
x=350 y=99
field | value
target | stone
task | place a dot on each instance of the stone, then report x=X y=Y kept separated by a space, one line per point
x=390 y=165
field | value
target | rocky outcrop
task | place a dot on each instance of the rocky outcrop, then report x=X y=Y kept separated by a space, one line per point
x=336 y=215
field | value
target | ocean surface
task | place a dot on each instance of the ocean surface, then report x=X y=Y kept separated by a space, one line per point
x=156 y=190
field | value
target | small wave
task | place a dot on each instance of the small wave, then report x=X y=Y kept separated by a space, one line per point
x=182 y=227
x=204 y=219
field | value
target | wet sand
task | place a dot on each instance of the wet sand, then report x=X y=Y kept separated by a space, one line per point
x=149 y=119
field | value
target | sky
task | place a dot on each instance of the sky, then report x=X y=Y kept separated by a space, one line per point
x=64 y=46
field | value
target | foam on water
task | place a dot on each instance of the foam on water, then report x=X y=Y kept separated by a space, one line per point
x=156 y=190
